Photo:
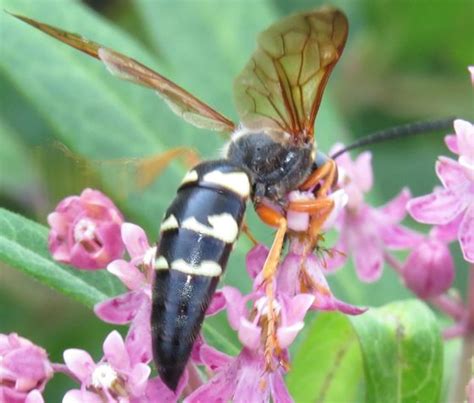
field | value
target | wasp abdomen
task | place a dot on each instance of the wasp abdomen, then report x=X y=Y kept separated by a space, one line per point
x=197 y=236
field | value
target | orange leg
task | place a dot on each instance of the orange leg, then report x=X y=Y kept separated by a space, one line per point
x=318 y=219
x=319 y=210
x=248 y=233
x=327 y=171
x=311 y=206
x=273 y=218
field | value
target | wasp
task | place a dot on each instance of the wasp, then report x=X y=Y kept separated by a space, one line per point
x=271 y=152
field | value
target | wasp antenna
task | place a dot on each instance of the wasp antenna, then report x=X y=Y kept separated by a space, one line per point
x=409 y=129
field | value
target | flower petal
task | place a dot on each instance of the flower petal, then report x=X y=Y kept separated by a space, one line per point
x=288 y=272
x=255 y=259
x=451 y=174
x=122 y=309
x=363 y=169
x=286 y=335
x=138 y=340
x=235 y=306
x=368 y=258
x=115 y=351
x=80 y=363
x=213 y=358
x=34 y=396
x=440 y=207
x=127 y=273
x=157 y=391
x=466 y=234
x=337 y=257
x=249 y=334
x=398 y=237
x=448 y=232
x=219 y=389
x=295 y=308
x=465 y=135
x=218 y=303
x=81 y=396
x=135 y=239
x=396 y=208
x=348 y=309
x=452 y=143
x=138 y=379
x=278 y=388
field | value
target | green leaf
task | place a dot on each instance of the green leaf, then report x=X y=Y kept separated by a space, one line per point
x=396 y=350
x=402 y=352
x=327 y=366
x=23 y=245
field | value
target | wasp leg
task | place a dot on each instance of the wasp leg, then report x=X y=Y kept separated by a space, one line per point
x=275 y=219
x=148 y=169
x=246 y=230
x=320 y=209
x=327 y=171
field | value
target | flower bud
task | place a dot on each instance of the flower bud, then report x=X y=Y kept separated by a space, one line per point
x=85 y=231
x=429 y=269
x=24 y=369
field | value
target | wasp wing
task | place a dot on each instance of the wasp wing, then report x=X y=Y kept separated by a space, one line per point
x=179 y=100
x=281 y=86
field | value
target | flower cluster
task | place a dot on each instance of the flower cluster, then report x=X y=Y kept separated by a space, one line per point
x=88 y=232
x=24 y=370
x=452 y=206
x=85 y=231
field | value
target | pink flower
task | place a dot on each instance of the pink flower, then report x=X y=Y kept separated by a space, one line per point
x=248 y=377
x=471 y=72
x=135 y=305
x=24 y=370
x=85 y=231
x=300 y=272
x=117 y=376
x=241 y=379
x=429 y=269
x=365 y=231
x=453 y=205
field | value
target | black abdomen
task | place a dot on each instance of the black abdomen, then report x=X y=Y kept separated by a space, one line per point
x=197 y=236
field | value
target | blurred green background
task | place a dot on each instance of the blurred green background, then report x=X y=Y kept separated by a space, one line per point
x=404 y=60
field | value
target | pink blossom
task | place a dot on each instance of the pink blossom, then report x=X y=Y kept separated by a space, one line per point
x=242 y=379
x=135 y=305
x=365 y=231
x=116 y=377
x=429 y=269
x=248 y=377
x=300 y=272
x=471 y=72
x=453 y=205
x=85 y=231
x=24 y=370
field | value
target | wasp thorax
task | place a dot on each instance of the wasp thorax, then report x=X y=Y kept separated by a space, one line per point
x=276 y=166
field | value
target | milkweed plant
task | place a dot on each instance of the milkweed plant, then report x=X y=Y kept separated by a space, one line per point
x=88 y=232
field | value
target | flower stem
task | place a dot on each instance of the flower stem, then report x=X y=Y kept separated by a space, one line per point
x=449 y=306
x=62 y=368
x=393 y=261
x=464 y=371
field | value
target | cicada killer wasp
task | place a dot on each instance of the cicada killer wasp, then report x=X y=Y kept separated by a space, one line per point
x=271 y=152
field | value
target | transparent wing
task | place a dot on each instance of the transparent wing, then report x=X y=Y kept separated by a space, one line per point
x=179 y=100
x=281 y=86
